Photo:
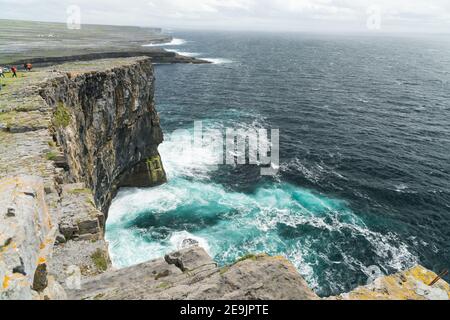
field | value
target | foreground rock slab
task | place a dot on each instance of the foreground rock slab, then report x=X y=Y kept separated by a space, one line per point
x=413 y=284
x=191 y=274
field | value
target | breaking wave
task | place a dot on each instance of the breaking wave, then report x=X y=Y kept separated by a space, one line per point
x=173 y=42
x=311 y=230
x=218 y=60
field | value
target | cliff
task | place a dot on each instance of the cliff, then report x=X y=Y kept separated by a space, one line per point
x=157 y=55
x=106 y=123
x=70 y=136
x=73 y=135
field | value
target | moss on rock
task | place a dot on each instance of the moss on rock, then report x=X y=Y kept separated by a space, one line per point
x=61 y=117
x=100 y=260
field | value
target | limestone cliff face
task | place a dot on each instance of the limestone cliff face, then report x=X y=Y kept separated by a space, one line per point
x=191 y=274
x=70 y=136
x=108 y=127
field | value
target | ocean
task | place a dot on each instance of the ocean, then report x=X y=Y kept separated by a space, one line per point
x=363 y=184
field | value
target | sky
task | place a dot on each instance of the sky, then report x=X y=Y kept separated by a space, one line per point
x=256 y=15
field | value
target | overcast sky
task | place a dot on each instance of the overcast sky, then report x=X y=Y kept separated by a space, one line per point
x=276 y=15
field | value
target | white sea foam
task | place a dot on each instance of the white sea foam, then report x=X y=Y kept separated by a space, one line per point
x=174 y=42
x=249 y=224
x=218 y=60
x=129 y=247
x=184 y=53
x=177 y=239
x=184 y=158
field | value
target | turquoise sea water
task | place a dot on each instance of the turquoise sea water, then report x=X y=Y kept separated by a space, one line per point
x=364 y=142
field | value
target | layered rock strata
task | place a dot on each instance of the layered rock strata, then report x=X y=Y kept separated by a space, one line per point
x=70 y=136
x=157 y=55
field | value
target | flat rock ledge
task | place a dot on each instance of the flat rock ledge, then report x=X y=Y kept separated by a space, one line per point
x=191 y=274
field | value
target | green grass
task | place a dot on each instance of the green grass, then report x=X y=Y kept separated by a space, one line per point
x=252 y=257
x=163 y=285
x=61 y=117
x=162 y=275
x=7 y=118
x=100 y=260
x=9 y=82
x=51 y=155
x=224 y=270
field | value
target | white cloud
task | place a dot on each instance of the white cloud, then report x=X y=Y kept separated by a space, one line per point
x=420 y=15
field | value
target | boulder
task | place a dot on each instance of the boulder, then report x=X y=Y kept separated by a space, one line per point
x=190 y=258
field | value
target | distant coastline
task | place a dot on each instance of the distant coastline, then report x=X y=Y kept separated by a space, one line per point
x=157 y=56
x=57 y=44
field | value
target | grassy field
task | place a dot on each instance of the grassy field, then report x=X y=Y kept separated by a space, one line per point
x=9 y=83
x=24 y=39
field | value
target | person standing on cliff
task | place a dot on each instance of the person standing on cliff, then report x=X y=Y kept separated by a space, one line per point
x=29 y=66
x=2 y=75
x=14 y=71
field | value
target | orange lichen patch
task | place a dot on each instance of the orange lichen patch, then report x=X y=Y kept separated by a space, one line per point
x=421 y=274
x=42 y=260
x=409 y=285
x=6 y=183
x=72 y=75
x=49 y=220
x=42 y=246
x=6 y=280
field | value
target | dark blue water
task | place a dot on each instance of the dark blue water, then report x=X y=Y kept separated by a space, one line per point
x=365 y=156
